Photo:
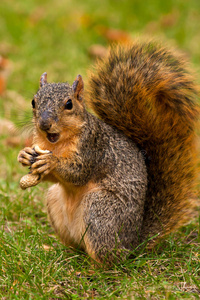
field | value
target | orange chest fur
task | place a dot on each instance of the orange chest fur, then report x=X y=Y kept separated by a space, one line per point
x=65 y=148
x=66 y=209
x=71 y=195
x=74 y=196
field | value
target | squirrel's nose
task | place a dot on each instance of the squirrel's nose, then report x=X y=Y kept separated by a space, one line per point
x=45 y=121
x=45 y=125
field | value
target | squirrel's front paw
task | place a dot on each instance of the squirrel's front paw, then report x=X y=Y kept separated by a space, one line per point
x=27 y=156
x=44 y=164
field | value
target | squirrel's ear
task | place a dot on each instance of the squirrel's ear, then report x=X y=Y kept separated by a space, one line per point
x=43 y=79
x=78 y=87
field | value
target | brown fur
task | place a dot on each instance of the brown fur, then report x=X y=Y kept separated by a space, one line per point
x=147 y=92
x=65 y=209
x=64 y=148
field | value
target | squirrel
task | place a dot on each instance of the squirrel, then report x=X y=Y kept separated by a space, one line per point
x=126 y=173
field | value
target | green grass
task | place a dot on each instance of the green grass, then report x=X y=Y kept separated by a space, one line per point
x=55 y=36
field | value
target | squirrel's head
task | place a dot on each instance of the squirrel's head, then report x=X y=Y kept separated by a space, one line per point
x=58 y=109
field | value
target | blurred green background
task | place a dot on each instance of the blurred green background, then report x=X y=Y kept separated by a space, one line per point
x=55 y=36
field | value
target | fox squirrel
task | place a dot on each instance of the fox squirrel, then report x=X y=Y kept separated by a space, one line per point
x=130 y=174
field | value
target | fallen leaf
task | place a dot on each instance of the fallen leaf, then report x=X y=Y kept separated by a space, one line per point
x=47 y=247
x=115 y=35
x=97 y=51
x=2 y=84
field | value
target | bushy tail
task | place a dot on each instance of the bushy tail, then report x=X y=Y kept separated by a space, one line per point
x=147 y=92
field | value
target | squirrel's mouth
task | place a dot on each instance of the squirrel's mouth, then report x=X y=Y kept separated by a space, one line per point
x=53 y=137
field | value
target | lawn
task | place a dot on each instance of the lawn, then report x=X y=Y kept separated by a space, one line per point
x=56 y=37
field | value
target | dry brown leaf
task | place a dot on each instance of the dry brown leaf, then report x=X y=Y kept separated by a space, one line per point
x=2 y=84
x=115 y=35
x=47 y=247
x=98 y=51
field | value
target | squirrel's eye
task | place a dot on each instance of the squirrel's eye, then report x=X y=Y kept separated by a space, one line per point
x=33 y=103
x=68 y=104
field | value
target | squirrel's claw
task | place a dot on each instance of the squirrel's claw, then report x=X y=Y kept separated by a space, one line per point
x=39 y=163
x=26 y=156
x=43 y=165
